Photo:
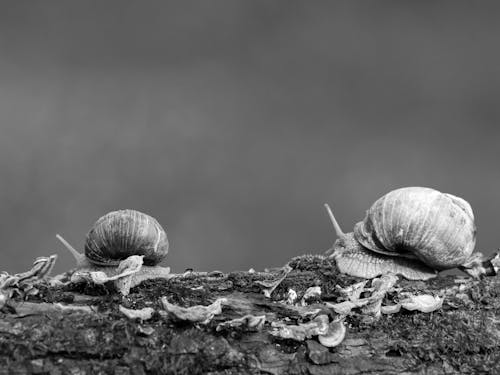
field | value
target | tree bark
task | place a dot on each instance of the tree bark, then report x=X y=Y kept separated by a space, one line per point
x=80 y=329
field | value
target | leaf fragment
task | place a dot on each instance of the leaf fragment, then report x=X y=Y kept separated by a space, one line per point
x=425 y=302
x=334 y=336
x=250 y=321
x=300 y=332
x=142 y=314
x=196 y=314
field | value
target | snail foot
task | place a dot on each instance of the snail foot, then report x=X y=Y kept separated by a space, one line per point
x=363 y=263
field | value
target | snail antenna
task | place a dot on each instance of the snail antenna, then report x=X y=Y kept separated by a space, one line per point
x=335 y=224
x=80 y=258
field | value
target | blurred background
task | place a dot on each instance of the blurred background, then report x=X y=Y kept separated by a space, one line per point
x=232 y=122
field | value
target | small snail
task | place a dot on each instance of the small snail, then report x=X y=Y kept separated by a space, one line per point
x=121 y=235
x=413 y=231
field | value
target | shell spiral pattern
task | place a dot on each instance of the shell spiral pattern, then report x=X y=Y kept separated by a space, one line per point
x=421 y=223
x=120 y=234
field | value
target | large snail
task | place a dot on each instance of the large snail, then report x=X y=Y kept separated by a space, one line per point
x=121 y=235
x=415 y=232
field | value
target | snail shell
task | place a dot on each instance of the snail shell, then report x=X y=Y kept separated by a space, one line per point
x=413 y=231
x=422 y=223
x=120 y=234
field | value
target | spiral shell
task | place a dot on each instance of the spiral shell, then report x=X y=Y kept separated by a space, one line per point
x=120 y=234
x=422 y=223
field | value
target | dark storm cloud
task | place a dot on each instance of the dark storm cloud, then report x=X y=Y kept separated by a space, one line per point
x=233 y=121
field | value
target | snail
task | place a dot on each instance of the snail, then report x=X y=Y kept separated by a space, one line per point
x=415 y=232
x=117 y=237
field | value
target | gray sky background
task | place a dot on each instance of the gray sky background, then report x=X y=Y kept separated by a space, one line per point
x=232 y=122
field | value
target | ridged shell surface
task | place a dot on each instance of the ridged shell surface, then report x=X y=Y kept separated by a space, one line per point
x=423 y=223
x=120 y=234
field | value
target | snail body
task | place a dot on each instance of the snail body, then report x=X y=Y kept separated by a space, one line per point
x=413 y=231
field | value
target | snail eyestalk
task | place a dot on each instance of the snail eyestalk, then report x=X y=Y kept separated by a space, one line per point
x=336 y=226
x=80 y=258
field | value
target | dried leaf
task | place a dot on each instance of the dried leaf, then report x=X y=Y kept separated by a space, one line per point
x=142 y=314
x=318 y=326
x=98 y=277
x=4 y=297
x=370 y=305
x=424 y=303
x=334 y=336
x=249 y=321
x=270 y=286
x=344 y=308
x=196 y=314
x=24 y=283
x=353 y=292
x=292 y=297
x=390 y=309
x=122 y=276
x=130 y=265
x=41 y=268
x=380 y=287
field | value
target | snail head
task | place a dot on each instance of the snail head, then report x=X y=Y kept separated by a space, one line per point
x=344 y=240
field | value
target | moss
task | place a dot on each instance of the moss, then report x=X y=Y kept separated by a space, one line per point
x=467 y=344
x=312 y=262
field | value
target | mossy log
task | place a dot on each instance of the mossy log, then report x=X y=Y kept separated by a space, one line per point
x=55 y=332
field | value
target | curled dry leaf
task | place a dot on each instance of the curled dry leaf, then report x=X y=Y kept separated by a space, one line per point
x=344 y=308
x=270 y=286
x=353 y=292
x=424 y=303
x=41 y=268
x=196 y=314
x=334 y=336
x=24 y=283
x=249 y=321
x=96 y=277
x=318 y=326
x=380 y=286
x=370 y=305
x=127 y=268
x=130 y=265
x=383 y=284
x=143 y=314
x=122 y=278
